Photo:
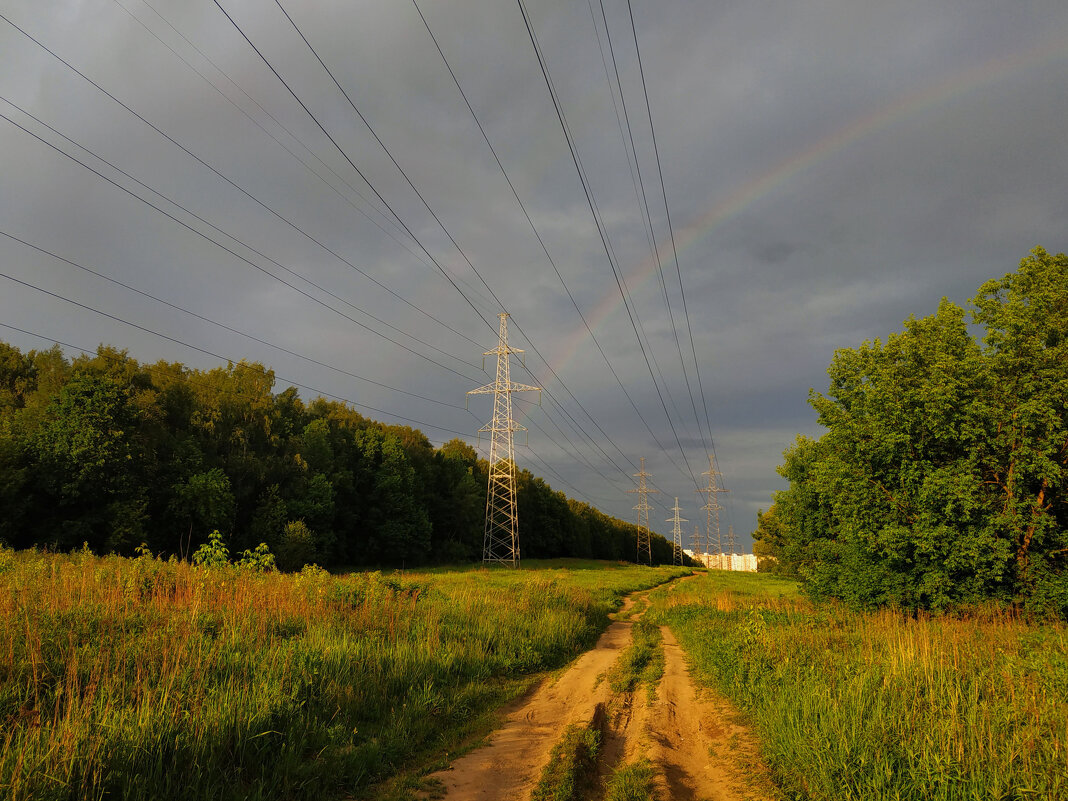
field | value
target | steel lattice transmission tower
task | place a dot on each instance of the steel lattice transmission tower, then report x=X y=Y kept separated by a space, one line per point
x=500 y=541
x=713 y=507
x=645 y=543
x=676 y=549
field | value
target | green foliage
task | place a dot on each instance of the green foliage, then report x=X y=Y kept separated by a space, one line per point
x=104 y=450
x=769 y=541
x=632 y=782
x=943 y=476
x=204 y=501
x=641 y=663
x=296 y=548
x=259 y=559
x=213 y=553
x=572 y=766
x=859 y=705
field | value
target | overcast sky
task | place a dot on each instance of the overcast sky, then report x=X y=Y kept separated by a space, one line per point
x=830 y=168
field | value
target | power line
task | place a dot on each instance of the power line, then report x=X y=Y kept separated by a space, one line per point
x=415 y=189
x=216 y=228
x=356 y=208
x=631 y=162
x=549 y=257
x=577 y=456
x=276 y=121
x=24 y=242
x=674 y=250
x=234 y=253
x=603 y=235
x=671 y=230
x=223 y=325
x=218 y=356
x=643 y=203
x=606 y=242
x=211 y=168
x=187 y=211
x=346 y=156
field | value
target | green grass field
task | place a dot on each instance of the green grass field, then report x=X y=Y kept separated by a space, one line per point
x=145 y=679
x=881 y=706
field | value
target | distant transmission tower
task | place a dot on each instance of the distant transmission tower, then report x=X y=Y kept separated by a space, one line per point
x=676 y=550
x=500 y=542
x=645 y=543
x=713 y=508
x=697 y=545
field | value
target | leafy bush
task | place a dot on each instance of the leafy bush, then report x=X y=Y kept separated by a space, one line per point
x=296 y=547
x=212 y=553
x=260 y=559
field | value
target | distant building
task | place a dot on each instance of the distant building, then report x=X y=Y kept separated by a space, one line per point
x=745 y=562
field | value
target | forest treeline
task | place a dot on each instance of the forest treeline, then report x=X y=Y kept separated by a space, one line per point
x=942 y=478
x=104 y=451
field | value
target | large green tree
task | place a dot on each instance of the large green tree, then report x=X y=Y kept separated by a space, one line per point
x=941 y=477
x=1025 y=315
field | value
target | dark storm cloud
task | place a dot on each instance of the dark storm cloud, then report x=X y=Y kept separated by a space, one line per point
x=864 y=161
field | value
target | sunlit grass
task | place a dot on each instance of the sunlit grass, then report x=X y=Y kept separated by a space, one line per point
x=632 y=782
x=144 y=679
x=642 y=662
x=870 y=706
x=568 y=776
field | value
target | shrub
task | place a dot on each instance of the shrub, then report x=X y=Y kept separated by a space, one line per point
x=297 y=546
x=260 y=560
x=212 y=553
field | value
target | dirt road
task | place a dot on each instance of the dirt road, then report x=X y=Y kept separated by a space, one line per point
x=698 y=749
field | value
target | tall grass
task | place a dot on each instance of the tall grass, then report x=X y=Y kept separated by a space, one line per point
x=873 y=706
x=145 y=679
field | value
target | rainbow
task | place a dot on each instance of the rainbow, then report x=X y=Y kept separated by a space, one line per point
x=908 y=105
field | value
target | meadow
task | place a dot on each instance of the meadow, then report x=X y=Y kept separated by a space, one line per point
x=150 y=679
x=850 y=705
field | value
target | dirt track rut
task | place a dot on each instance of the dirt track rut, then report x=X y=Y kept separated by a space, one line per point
x=698 y=748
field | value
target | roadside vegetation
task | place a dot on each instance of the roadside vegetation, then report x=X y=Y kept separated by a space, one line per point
x=873 y=705
x=150 y=679
x=942 y=478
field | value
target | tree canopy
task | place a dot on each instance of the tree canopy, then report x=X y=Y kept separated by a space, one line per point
x=106 y=451
x=942 y=477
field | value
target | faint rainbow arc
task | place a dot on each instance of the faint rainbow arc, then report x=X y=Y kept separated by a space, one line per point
x=747 y=194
